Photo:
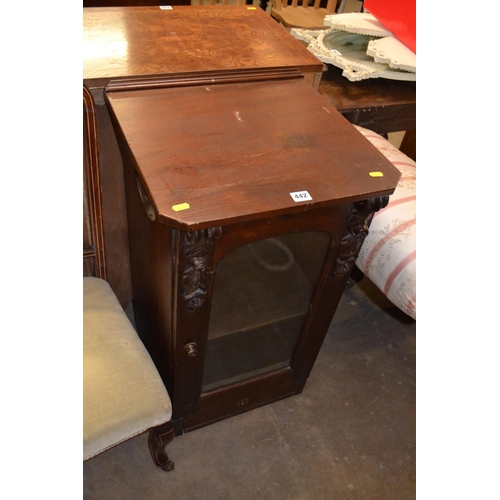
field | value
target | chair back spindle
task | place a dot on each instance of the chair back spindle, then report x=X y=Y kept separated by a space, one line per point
x=217 y=2
x=307 y=14
x=316 y=4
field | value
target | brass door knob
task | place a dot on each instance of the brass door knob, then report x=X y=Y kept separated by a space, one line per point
x=191 y=349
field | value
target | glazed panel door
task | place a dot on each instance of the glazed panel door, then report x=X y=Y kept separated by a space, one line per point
x=260 y=300
x=253 y=304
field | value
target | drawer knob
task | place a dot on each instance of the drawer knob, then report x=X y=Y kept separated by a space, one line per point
x=191 y=349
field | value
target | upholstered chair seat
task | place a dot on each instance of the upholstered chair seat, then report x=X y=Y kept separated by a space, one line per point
x=123 y=394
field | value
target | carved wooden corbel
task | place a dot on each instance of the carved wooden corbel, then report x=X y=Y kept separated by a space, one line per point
x=197 y=248
x=360 y=216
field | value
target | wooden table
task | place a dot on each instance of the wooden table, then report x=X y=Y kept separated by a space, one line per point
x=132 y=46
x=377 y=104
x=148 y=43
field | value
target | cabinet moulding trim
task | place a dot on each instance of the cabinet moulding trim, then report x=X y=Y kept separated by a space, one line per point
x=202 y=78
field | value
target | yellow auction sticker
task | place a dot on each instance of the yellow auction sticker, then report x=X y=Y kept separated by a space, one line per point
x=376 y=174
x=180 y=206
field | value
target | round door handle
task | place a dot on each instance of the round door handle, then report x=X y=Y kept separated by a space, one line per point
x=191 y=349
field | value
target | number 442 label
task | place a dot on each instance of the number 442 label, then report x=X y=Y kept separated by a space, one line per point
x=300 y=196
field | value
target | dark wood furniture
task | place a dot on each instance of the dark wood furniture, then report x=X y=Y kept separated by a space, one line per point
x=95 y=265
x=377 y=104
x=132 y=3
x=146 y=44
x=94 y=250
x=247 y=204
x=308 y=14
x=409 y=144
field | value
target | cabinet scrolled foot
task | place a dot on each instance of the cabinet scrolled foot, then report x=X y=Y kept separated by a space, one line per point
x=169 y=466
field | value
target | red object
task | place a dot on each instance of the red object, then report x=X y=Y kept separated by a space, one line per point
x=397 y=16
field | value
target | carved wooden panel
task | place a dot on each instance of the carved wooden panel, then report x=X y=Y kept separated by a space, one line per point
x=197 y=248
x=357 y=229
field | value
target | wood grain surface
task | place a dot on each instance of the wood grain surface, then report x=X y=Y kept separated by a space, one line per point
x=378 y=104
x=237 y=151
x=135 y=41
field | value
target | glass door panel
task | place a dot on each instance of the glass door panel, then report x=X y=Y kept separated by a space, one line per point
x=261 y=296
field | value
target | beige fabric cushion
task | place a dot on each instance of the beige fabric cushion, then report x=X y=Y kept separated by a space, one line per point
x=123 y=394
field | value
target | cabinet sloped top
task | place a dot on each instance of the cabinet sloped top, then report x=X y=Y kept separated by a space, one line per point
x=148 y=41
x=236 y=151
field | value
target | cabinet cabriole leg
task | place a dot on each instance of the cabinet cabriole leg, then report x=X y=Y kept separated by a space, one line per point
x=159 y=438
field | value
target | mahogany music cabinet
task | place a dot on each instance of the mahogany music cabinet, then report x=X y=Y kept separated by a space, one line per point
x=247 y=203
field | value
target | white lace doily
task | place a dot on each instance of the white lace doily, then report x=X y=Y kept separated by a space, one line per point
x=348 y=51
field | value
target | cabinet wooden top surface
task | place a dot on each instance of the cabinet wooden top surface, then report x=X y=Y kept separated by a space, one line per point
x=237 y=151
x=143 y=41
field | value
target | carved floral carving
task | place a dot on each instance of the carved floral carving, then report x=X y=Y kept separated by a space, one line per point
x=359 y=220
x=196 y=248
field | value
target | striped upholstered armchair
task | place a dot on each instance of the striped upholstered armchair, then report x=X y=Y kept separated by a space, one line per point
x=388 y=254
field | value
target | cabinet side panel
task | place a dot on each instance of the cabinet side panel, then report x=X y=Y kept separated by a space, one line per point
x=113 y=201
x=151 y=255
